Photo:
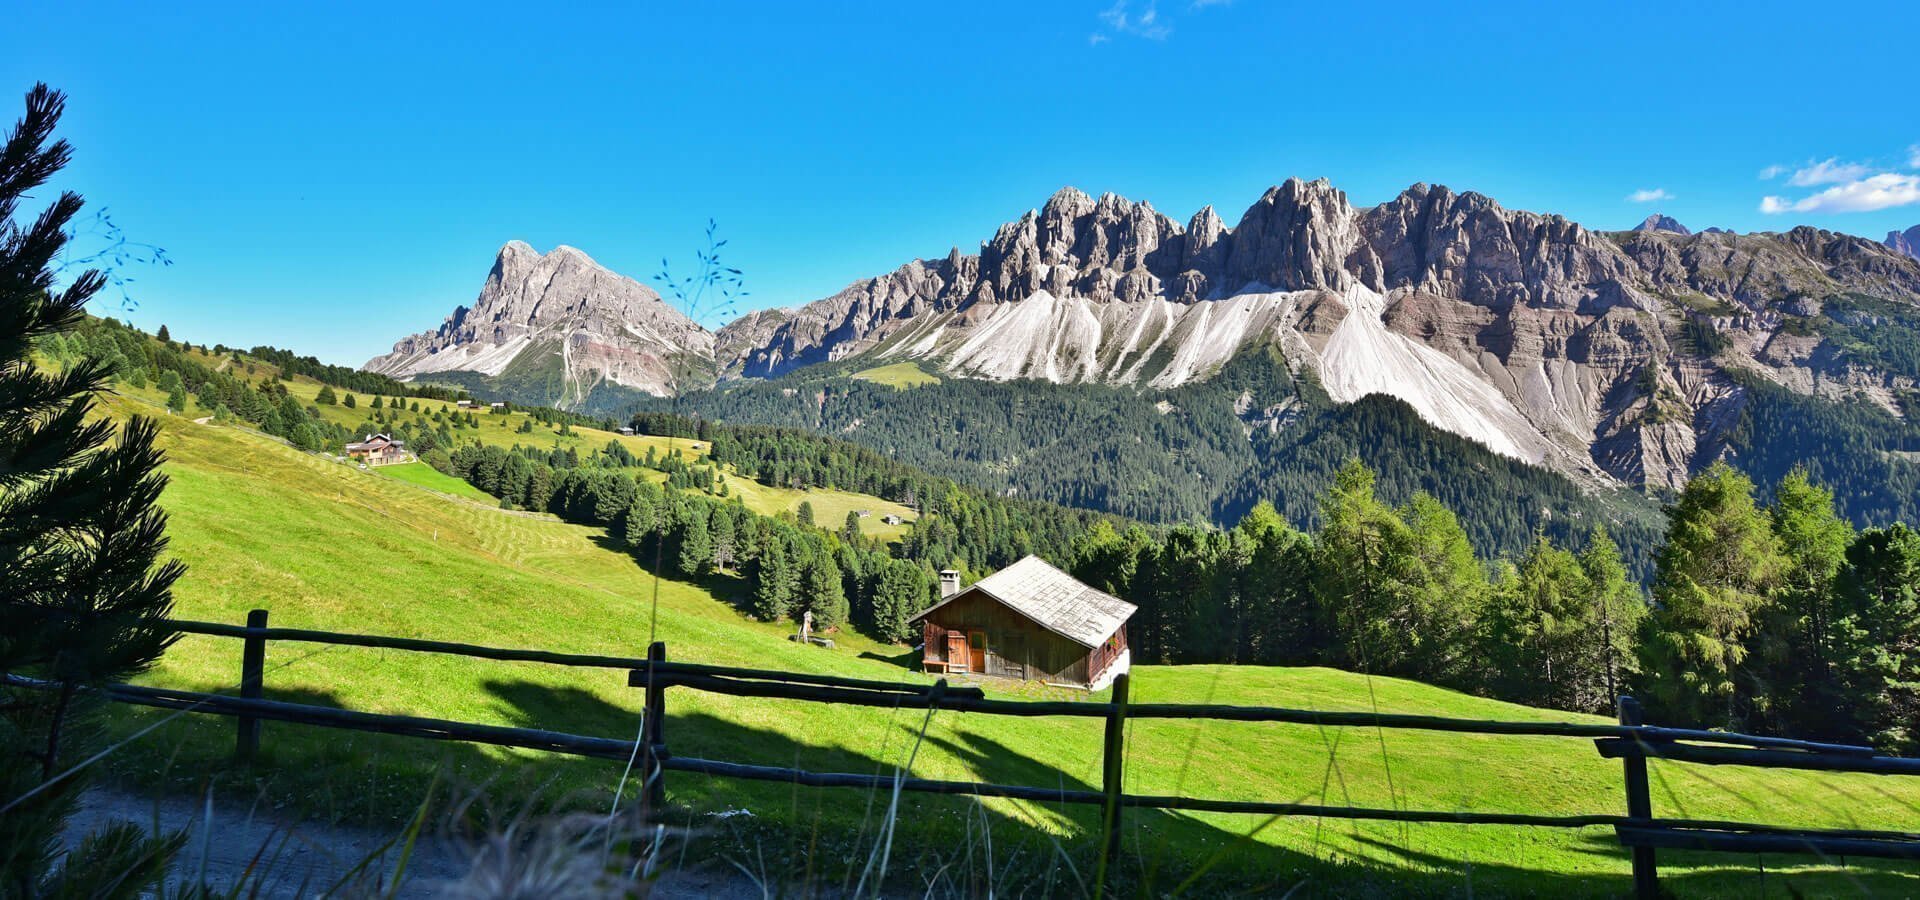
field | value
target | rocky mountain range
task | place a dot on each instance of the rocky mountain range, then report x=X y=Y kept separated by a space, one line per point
x=1611 y=356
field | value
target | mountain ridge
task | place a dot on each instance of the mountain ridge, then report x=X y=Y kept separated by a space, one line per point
x=1601 y=354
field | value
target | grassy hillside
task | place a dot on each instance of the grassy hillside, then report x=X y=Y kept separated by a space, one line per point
x=433 y=479
x=328 y=546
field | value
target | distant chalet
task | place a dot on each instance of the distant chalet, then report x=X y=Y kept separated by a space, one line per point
x=1028 y=621
x=378 y=450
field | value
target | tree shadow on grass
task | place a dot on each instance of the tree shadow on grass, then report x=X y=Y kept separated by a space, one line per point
x=1699 y=873
x=905 y=659
x=824 y=838
x=730 y=589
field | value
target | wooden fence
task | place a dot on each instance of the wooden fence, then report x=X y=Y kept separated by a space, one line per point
x=1629 y=741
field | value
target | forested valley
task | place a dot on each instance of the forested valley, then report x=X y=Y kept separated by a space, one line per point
x=1204 y=452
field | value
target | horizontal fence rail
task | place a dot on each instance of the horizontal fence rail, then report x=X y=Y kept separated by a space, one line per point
x=621 y=749
x=1631 y=741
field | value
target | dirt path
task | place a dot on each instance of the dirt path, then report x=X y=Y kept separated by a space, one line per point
x=294 y=858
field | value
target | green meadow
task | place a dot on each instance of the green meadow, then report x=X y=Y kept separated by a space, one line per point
x=900 y=375
x=326 y=545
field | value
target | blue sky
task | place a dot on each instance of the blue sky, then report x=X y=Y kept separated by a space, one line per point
x=331 y=178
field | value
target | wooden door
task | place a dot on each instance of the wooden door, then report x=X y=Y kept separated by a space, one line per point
x=977 y=643
x=956 y=652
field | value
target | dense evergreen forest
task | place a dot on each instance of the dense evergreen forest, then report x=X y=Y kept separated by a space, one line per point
x=1871 y=459
x=1206 y=451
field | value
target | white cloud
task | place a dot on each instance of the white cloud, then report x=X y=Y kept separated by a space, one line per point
x=1097 y=38
x=1913 y=156
x=1771 y=172
x=1829 y=171
x=1883 y=191
x=1146 y=24
x=1649 y=196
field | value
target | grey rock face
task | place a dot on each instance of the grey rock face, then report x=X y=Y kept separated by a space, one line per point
x=1658 y=222
x=1907 y=242
x=560 y=313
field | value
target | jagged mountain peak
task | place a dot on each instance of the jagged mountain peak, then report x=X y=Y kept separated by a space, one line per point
x=558 y=317
x=1907 y=242
x=1661 y=222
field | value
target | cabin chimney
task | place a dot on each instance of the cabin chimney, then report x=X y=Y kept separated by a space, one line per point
x=949 y=583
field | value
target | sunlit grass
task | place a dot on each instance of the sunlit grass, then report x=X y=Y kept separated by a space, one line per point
x=900 y=375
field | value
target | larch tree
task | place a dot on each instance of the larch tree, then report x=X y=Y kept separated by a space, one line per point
x=1362 y=566
x=1797 y=689
x=1712 y=577
x=1618 y=610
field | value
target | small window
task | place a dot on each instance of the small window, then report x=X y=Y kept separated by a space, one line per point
x=977 y=640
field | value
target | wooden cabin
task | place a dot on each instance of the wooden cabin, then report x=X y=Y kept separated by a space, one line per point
x=1028 y=621
x=378 y=450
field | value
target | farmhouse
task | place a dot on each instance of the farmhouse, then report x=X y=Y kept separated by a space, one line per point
x=378 y=450
x=891 y=519
x=1028 y=621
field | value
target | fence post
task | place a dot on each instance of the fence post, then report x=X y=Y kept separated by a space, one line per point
x=655 y=730
x=253 y=661
x=1113 y=777
x=1646 y=875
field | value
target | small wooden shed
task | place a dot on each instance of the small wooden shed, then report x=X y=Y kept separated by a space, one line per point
x=1028 y=621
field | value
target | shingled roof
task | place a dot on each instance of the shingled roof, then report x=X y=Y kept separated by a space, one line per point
x=1058 y=601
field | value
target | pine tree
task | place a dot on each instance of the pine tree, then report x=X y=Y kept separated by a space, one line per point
x=725 y=540
x=775 y=579
x=822 y=593
x=696 y=543
x=326 y=397
x=164 y=336
x=804 y=514
x=348 y=401
x=900 y=590
x=850 y=531
x=84 y=595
